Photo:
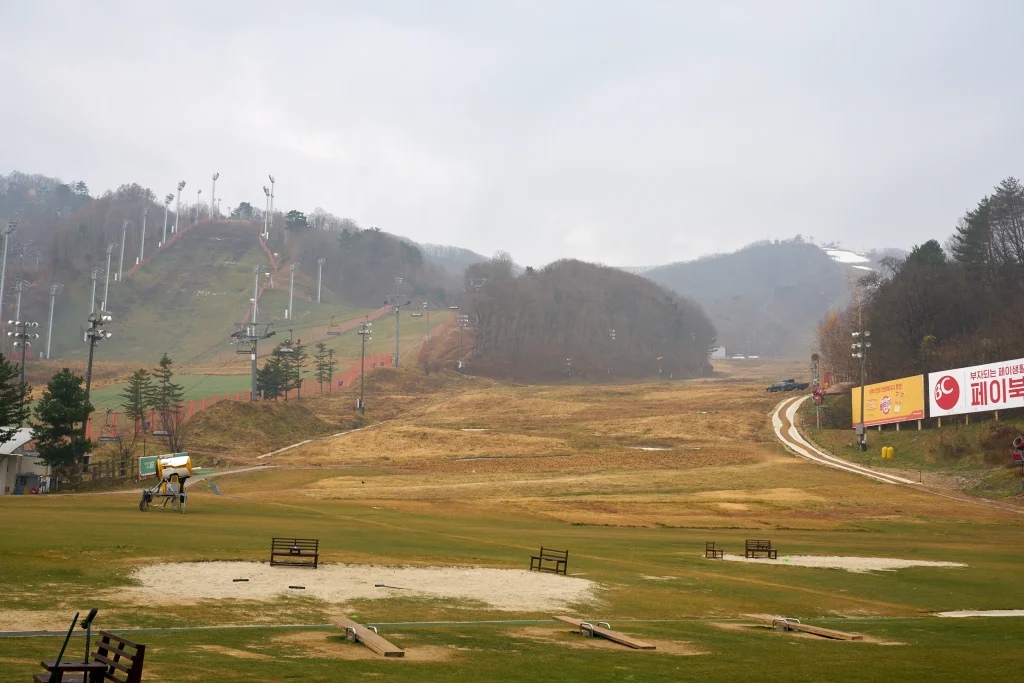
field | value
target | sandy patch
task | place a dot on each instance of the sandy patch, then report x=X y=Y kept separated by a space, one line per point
x=570 y=638
x=232 y=652
x=983 y=613
x=31 y=620
x=858 y=565
x=504 y=589
x=318 y=644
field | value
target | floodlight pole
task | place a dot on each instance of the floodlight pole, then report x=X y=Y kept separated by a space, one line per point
x=19 y=287
x=364 y=332
x=124 y=237
x=213 y=193
x=106 y=281
x=95 y=276
x=142 y=235
x=270 y=223
x=319 y=276
x=8 y=231
x=54 y=290
x=167 y=204
x=291 y=292
x=860 y=351
x=177 y=208
x=93 y=335
x=199 y=197
x=256 y=270
x=266 y=215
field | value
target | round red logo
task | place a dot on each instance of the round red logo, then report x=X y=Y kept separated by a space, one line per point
x=885 y=405
x=947 y=393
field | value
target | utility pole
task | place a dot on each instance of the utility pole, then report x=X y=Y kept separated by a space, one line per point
x=256 y=270
x=95 y=276
x=396 y=308
x=291 y=292
x=365 y=331
x=167 y=203
x=247 y=340
x=142 y=235
x=55 y=289
x=213 y=193
x=19 y=287
x=106 y=281
x=8 y=231
x=177 y=208
x=266 y=214
x=23 y=336
x=124 y=237
x=199 y=196
x=860 y=348
x=319 y=276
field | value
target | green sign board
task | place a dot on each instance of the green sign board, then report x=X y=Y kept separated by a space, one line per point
x=147 y=465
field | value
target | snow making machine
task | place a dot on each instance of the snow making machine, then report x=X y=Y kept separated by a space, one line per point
x=172 y=471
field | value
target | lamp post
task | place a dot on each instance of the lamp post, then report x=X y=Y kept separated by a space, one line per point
x=23 y=336
x=93 y=335
x=167 y=204
x=463 y=324
x=256 y=270
x=365 y=331
x=177 y=208
x=55 y=289
x=291 y=291
x=199 y=195
x=319 y=276
x=213 y=193
x=94 y=277
x=860 y=348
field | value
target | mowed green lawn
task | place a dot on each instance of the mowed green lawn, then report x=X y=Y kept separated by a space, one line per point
x=63 y=554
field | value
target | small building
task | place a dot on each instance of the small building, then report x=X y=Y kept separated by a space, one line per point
x=717 y=353
x=22 y=471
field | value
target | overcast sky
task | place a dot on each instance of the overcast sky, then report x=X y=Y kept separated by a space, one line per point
x=629 y=133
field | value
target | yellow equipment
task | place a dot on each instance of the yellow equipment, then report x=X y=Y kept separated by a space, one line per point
x=173 y=471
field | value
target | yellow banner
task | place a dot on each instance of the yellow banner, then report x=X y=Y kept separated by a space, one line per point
x=886 y=402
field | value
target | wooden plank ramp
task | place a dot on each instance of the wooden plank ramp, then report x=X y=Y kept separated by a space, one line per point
x=368 y=638
x=791 y=625
x=613 y=636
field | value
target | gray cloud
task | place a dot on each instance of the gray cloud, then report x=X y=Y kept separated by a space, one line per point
x=628 y=133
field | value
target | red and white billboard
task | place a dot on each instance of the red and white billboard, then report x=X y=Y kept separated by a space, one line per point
x=977 y=389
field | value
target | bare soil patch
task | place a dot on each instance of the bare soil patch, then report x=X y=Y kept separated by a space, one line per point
x=503 y=589
x=232 y=652
x=858 y=565
x=983 y=613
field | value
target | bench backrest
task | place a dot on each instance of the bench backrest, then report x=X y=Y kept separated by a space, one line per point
x=549 y=554
x=709 y=545
x=122 y=657
x=759 y=545
x=300 y=543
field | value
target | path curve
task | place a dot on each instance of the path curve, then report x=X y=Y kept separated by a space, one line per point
x=784 y=424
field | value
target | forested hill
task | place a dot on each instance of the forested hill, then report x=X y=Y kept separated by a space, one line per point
x=610 y=323
x=765 y=299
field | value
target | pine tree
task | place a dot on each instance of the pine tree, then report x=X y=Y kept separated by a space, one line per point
x=137 y=398
x=13 y=404
x=320 y=358
x=167 y=400
x=272 y=377
x=331 y=365
x=60 y=414
x=298 y=362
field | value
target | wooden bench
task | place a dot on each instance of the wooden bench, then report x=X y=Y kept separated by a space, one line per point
x=116 y=659
x=755 y=548
x=299 y=552
x=548 y=560
x=712 y=552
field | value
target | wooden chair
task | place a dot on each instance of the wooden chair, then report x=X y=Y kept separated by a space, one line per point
x=116 y=659
x=710 y=551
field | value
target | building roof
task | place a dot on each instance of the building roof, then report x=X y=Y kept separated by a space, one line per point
x=21 y=437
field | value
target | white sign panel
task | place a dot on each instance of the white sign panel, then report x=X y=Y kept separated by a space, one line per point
x=977 y=389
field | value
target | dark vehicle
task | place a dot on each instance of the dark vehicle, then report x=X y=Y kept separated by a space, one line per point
x=788 y=385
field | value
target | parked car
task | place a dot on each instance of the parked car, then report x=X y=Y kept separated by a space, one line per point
x=787 y=385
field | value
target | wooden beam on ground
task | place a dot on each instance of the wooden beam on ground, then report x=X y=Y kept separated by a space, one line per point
x=613 y=636
x=791 y=625
x=368 y=638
